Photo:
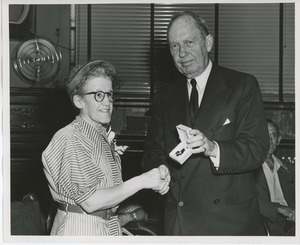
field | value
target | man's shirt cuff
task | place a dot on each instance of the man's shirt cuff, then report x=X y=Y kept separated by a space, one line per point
x=216 y=160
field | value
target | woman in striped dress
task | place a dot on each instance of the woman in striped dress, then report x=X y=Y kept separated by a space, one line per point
x=82 y=162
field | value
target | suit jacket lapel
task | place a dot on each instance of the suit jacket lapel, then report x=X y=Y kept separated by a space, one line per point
x=179 y=104
x=261 y=179
x=214 y=99
x=286 y=181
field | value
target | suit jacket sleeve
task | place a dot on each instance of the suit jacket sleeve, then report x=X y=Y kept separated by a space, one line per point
x=267 y=208
x=249 y=145
x=154 y=141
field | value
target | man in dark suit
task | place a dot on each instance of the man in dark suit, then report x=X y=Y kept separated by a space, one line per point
x=213 y=192
x=276 y=188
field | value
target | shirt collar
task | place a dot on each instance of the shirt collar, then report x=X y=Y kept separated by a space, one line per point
x=203 y=77
x=277 y=163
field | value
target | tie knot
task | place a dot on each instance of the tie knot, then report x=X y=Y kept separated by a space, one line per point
x=193 y=82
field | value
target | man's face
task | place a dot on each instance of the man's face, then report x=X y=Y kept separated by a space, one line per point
x=188 y=48
x=274 y=138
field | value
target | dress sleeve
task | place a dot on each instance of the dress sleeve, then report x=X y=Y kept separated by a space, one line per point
x=69 y=163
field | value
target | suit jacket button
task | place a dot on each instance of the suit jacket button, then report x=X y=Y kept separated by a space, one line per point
x=216 y=201
x=180 y=204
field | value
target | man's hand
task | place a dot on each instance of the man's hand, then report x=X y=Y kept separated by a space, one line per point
x=164 y=172
x=165 y=177
x=287 y=212
x=199 y=143
x=137 y=215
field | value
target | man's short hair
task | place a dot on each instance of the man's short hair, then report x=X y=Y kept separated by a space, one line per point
x=275 y=125
x=200 y=22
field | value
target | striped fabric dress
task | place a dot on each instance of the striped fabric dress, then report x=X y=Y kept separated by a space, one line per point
x=77 y=162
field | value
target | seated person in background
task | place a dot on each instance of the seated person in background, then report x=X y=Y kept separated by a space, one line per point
x=82 y=162
x=276 y=189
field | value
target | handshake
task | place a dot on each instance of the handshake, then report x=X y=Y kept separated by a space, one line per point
x=157 y=179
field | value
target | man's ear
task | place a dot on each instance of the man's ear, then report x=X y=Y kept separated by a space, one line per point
x=279 y=139
x=77 y=100
x=209 y=42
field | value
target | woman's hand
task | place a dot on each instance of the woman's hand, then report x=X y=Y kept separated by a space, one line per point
x=151 y=179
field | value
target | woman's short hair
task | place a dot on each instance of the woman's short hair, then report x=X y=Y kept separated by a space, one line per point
x=96 y=68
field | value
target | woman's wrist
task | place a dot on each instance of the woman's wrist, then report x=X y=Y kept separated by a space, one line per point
x=136 y=183
x=140 y=183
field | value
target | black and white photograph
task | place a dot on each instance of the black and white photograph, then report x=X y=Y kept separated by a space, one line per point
x=94 y=94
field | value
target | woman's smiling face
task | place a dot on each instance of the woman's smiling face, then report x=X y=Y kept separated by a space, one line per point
x=93 y=111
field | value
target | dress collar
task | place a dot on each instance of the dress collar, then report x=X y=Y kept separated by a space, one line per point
x=87 y=128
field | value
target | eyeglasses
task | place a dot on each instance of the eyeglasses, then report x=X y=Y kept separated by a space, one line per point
x=99 y=95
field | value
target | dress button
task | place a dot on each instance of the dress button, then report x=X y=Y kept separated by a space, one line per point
x=180 y=204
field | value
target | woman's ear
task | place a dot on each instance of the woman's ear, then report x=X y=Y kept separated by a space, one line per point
x=77 y=100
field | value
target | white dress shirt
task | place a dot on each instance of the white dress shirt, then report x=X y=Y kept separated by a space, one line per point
x=201 y=84
x=274 y=186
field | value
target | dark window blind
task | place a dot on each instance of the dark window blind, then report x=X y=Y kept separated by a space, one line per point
x=81 y=34
x=249 y=41
x=120 y=33
x=288 y=51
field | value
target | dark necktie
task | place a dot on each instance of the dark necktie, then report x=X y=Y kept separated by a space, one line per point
x=194 y=99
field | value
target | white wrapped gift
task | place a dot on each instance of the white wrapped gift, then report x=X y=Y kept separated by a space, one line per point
x=181 y=153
